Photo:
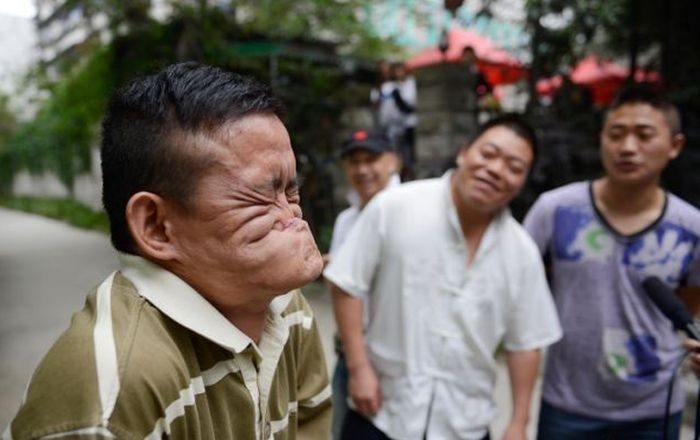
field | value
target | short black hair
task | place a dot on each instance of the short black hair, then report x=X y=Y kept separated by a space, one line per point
x=514 y=123
x=150 y=128
x=640 y=93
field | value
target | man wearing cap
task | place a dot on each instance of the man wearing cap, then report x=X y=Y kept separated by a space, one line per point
x=447 y=276
x=370 y=164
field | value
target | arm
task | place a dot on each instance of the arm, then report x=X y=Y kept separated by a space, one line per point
x=401 y=103
x=523 y=367
x=690 y=297
x=363 y=385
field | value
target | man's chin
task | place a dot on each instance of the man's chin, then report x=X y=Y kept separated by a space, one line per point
x=313 y=261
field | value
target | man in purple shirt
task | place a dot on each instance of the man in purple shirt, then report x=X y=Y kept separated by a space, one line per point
x=608 y=377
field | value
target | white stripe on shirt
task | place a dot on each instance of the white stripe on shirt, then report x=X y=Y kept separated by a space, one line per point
x=106 y=351
x=299 y=318
x=177 y=407
x=92 y=431
x=317 y=399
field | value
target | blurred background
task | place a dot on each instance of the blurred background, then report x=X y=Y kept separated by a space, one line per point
x=558 y=62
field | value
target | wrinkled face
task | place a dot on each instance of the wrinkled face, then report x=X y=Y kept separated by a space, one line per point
x=368 y=172
x=492 y=170
x=636 y=144
x=246 y=228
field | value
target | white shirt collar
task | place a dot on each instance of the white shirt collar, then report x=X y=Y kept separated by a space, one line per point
x=180 y=302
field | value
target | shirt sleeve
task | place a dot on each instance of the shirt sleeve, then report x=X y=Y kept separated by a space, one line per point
x=538 y=223
x=693 y=277
x=313 y=387
x=533 y=320
x=352 y=268
x=335 y=235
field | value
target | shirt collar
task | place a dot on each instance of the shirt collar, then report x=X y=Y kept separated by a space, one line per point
x=184 y=305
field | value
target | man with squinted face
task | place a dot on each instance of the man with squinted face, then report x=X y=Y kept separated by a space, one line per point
x=201 y=334
x=447 y=275
x=608 y=377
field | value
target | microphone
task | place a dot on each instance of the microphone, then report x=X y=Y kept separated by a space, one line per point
x=665 y=299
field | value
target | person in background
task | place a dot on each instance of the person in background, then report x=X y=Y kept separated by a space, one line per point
x=387 y=113
x=481 y=86
x=432 y=279
x=370 y=164
x=202 y=333
x=404 y=96
x=608 y=377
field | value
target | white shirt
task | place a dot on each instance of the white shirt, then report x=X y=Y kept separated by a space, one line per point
x=434 y=322
x=347 y=217
x=407 y=89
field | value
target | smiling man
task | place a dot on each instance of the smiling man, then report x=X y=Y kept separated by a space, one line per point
x=371 y=164
x=447 y=275
x=608 y=377
x=201 y=334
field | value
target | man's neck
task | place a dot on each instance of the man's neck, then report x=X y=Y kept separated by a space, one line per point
x=473 y=223
x=626 y=199
x=249 y=318
x=628 y=209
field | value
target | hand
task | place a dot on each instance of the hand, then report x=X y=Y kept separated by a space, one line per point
x=515 y=431
x=694 y=346
x=363 y=387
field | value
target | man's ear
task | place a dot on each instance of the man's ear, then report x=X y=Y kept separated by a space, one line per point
x=396 y=163
x=678 y=141
x=147 y=215
x=460 y=155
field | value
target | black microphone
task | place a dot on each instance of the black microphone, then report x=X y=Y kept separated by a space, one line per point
x=665 y=299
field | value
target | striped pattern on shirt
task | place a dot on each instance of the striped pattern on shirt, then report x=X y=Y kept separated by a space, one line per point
x=125 y=370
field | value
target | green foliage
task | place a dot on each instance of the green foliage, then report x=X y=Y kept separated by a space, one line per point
x=67 y=210
x=61 y=135
x=337 y=21
x=292 y=45
x=8 y=125
x=563 y=31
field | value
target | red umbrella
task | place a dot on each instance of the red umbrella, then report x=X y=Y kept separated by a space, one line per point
x=592 y=70
x=602 y=77
x=547 y=86
x=497 y=65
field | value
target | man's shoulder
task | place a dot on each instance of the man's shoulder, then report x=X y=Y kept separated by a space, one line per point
x=683 y=211
x=67 y=371
x=347 y=215
x=517 y=239
x=571 y=192
x=113 y=345
x=413 y=191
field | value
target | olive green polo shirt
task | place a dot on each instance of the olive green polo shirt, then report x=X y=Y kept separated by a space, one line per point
x=148 y=357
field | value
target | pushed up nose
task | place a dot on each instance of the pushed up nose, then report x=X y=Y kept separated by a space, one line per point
x=287 y=213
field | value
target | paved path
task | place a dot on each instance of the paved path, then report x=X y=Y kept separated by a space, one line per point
x=47 y=268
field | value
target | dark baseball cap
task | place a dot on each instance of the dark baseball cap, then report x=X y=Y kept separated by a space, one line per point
x=366 y=140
